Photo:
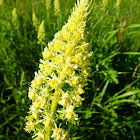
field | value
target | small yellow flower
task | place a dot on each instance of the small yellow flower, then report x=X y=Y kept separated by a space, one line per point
x=35 y=115
x=66 y=36
x=31 y=95
x=48 y=68
x=54 y=83
x=69 y=50
x=65 y=100
x=78 y=58
x=75 y=80
x=68 y=70
x=47 y=54
x=38 y=103
x=57 y=46
x=70 y=115
x=30 y=118
x=40 y=136
x=80 y=90
x=60 y=134
x=58 y=59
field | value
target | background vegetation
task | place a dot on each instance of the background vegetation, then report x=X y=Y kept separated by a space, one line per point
x=111 y=109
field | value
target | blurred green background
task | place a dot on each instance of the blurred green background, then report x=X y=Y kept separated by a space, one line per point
x=111 y=109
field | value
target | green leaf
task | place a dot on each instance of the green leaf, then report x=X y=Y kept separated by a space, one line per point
x=134 y=26
x=110 y=36
x=22 y=77
x=101 y=94
x=117 y=102
x=131 y=33
x=127 y=94
x=132 y=53
x=10 y=119
x=109 y=57
x=6 y=80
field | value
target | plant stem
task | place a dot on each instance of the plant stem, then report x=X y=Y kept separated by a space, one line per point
x=53 y=112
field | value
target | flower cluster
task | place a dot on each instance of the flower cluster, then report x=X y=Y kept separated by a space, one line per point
x=62 y=77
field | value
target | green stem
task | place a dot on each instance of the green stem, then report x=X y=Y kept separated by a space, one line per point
x=53 y=112
x=41 y=47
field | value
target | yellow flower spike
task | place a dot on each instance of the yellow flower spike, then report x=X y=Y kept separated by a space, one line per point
x=41 y=33
x=57 y=87
x=15 y=19
x=57 y=11
x=118 y=3
x=57 y=7
x=1 y=2
x=35 y=21
x=48 y=6
x=104 y=5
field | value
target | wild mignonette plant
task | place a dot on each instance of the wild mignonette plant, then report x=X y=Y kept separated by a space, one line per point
x=55 y=91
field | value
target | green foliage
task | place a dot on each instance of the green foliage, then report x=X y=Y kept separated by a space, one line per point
x=111 y=106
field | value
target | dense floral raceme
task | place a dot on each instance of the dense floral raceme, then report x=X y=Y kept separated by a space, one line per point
x=62 y=77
